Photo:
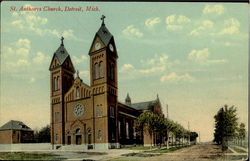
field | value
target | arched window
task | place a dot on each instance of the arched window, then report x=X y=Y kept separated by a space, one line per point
x=99 y=110
x=127 y=130
x=101 y=69
x=99 y=134
x=78 y=131
x=112 y=72
x=96 y=71
x=55 y=83
x=77 y=92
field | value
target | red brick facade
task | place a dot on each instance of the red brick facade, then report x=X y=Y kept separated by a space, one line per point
x=90 y=114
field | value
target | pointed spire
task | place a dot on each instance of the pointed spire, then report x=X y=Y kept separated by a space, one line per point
x=157 y=96
x=62 y=38
x=77 y=74
x=102 y=18
x=128 y=100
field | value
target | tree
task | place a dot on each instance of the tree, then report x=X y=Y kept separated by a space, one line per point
x=151 y=122
x=193 y=136
x=225 y=125
x=241 y=132
x=43 y=136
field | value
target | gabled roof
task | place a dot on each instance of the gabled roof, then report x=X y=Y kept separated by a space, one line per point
x=62 y=54
x=144 y=105
x=15 y=125
x=104 y=34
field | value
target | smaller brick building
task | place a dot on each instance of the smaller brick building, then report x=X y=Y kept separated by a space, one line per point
x=15 y=132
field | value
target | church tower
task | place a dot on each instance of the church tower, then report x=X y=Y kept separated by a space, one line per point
x=61 y=79
x=103 y=80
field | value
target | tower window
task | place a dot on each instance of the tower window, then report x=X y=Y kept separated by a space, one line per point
x=112 y=72
x=101 y=69
x=56 y=116
x=55 y=83
x=96 y=71
x=99 y=111
x=112 y=111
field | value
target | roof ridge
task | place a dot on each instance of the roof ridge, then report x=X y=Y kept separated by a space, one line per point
x=143 y=102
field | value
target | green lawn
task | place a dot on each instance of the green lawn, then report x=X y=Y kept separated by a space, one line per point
x=28 y=156
x=138 y=148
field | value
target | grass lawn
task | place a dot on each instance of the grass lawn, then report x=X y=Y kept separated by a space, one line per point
x=138 y=148
x=28 y=156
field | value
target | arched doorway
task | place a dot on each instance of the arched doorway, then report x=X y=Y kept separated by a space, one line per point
x=78 y=137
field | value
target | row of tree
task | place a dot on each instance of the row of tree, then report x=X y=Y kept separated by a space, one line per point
x=42 y=135
x=158 y=125
x=227 y=127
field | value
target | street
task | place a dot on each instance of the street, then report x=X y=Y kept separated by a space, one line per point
x=201 y=152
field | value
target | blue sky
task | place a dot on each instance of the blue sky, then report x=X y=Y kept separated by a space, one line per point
x=194 y=55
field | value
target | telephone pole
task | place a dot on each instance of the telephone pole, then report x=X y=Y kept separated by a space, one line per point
x=188 y=133
x=167 y=110
x=199 y=137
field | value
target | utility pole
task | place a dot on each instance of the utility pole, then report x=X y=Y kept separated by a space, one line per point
x=188 y=133
x=199 y=137
x=167 y=110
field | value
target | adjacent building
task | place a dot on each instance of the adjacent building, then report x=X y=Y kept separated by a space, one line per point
x=15 y=132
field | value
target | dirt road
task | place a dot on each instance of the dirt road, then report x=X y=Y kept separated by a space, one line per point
x=203 y=152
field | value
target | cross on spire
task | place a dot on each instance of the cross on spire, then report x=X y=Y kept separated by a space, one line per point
x=62 y=40
x=102 y=18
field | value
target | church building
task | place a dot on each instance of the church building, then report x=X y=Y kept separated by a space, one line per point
x=90 y=115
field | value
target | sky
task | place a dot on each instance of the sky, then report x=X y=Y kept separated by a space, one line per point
x=194 y=55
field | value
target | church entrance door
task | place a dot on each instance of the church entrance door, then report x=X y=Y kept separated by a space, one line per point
x=69 y=140
x=78 y=139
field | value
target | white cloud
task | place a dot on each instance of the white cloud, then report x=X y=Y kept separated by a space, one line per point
x=84 y=74
x=151 y=22
x=40 y=57
x=126 y=67
x=22 y=51
x=176 y=22
x=18 y=49
x=69 y=34
x=29 y=21
x=205 y=27
x=23 y=43
x=231 y=27
x=208 y=23
x=22 y=62
x=199 y=56
x=77 y=60
x=18 y=63
x=132 y=31
x=157 y=60
x=153 y=69
x=173 y=77
x=202 y=57
x=217 y=9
